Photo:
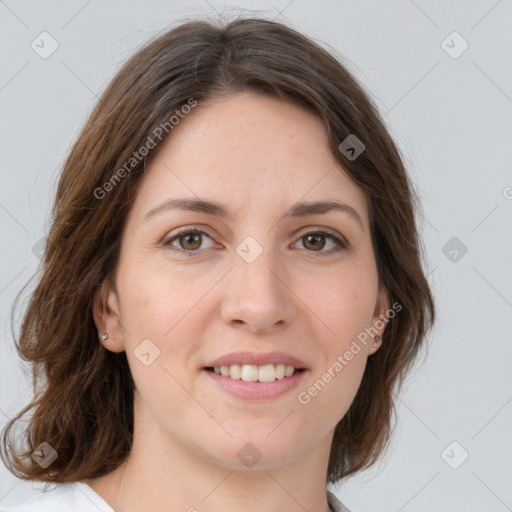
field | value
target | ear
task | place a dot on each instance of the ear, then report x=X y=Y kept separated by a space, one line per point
x=107 y=317
x=379 y=320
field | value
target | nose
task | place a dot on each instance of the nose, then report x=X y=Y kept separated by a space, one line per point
x=257 y=295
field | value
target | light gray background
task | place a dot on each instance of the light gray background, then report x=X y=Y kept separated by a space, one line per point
x=452 y=119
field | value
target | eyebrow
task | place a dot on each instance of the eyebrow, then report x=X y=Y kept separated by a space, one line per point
x=209 y=207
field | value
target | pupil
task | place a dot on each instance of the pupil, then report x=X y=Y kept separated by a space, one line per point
x=317 y=237
x=188 y=237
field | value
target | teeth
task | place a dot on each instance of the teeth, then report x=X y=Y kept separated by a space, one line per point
x=235 y=371
x=267 y=373
x=288 y=371
x=253 y=373
x=280 y=370
x=249 y=373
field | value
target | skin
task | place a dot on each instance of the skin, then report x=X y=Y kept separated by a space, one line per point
x=258 y=155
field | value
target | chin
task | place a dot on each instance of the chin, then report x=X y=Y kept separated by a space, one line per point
x=258 y=450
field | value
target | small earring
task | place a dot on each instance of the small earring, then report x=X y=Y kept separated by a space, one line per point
x=104 y=336
x=377 y=340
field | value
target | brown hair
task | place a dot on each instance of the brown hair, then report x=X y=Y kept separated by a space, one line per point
x=84 y=405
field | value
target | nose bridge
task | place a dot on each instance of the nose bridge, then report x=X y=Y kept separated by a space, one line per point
x=257 y=295
x=256 y=265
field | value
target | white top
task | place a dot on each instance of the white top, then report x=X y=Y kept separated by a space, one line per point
x=79 y=497
x=68 y=497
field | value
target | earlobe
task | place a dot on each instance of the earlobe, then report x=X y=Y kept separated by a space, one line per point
x=379 y=320
x=107 y=319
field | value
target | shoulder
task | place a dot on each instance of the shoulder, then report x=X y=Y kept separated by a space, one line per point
x=335 y=503
x=68 y=497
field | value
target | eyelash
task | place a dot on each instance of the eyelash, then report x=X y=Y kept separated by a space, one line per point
x=340 y=244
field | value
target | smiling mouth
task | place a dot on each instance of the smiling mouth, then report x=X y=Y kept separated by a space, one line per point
x=254 y=373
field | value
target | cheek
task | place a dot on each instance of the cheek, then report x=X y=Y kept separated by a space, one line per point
x=344 y=300
x=341 y=389
x=157 y=307
x=345 y=304
x=332 y=388
x=157 y=298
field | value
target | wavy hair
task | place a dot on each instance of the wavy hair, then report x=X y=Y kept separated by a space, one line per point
x=83 y=393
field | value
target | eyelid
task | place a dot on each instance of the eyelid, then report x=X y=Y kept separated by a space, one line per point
x=183 y=230
x=340 y=241
x=322 y=229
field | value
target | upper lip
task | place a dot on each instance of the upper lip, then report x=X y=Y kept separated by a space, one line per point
x=258 y=359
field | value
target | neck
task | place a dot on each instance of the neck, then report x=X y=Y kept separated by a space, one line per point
x=163 y=475
x=129 y=491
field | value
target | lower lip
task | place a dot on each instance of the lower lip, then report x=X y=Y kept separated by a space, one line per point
x=257 y=390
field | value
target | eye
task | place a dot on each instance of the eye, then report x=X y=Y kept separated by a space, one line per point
x=189 y=241
x=313 y=239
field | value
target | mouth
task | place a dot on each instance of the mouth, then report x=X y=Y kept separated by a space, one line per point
x=256 y=383
x=255 y=373
x=256 y=376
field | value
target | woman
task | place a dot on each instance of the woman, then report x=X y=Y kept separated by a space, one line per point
x=232 y=287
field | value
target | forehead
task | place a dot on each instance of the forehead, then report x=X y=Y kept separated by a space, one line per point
x=248 y=151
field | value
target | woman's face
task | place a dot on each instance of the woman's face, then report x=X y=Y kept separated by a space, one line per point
x=254 y=293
